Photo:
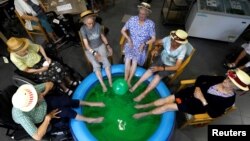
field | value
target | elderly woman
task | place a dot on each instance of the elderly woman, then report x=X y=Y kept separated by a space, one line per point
x=31 y=58
x=32 y=106
x=211 y=94
x=141 y=33
x=96 y=46
x=31 y=11
x=165 y=64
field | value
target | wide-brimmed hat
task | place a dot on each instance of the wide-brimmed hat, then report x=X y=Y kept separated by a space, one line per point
x=17 y=44
x=25 y=98
x=87 y=13
x=145 y=6
x=180 y=36
x=239 y=78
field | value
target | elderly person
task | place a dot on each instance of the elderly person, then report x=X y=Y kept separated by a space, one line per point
x=31 y=107
x=96 y=46
x=32 y=59
x=141 y=33
x=244 y=54
x=174 y=51
x=211 y=94
x=32 y=12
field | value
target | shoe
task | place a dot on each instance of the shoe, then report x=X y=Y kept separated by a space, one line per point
x=69 y=92
x=74 y=83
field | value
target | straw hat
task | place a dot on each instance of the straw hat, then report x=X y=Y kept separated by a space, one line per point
x=180 y=36
x=17 y=44
x=25 y=98
x=145 y=6
x=240 y=79
x=87 y=13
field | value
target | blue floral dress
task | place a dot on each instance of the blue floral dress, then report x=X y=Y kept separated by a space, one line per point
x=139 y=34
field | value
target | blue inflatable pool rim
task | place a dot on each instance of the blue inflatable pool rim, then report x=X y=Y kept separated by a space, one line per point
x=79 y=129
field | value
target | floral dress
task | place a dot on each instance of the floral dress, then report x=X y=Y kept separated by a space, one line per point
x=139 y=35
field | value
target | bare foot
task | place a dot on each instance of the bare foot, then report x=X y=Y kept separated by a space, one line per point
x=95 y=120
x=104 y=89
x=140 y=115
x=138 y=98
x=110 y=84
x=140 y=106
x=97 y=104
x=129 y=84
x=132 y=89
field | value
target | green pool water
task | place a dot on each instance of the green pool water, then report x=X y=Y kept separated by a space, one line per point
x=118 y=124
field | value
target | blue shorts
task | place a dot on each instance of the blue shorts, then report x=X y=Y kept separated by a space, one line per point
x=63 y=103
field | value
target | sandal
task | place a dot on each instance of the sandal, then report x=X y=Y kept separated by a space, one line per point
x=69 y=92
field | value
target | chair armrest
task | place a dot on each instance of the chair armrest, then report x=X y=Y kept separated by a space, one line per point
x=202 y=116
x=187 y=82
x=122 y=41
x=184 y=83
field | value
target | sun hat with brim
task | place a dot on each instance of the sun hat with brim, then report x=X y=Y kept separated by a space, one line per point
x=87 y=13
x=180 y=36
x=240 y=79
x=25 y=98
x=145 y=6
x=17 y=44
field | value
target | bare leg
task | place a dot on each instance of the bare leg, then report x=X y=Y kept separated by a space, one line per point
x=63 y=86
x=159 y=102
x=150 y=87
x=107 y=69
x=92 y=104
x=52 y=37
x=144 y=77
x=158 y=110
x=132 y=71
x=89 y=120
x=99 y=76
x=127 y=68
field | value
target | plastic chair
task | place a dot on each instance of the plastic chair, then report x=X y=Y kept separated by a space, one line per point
x=198 y=119
x=122 y=42
x=37 y=29
x=189 y=55
x=85 y=57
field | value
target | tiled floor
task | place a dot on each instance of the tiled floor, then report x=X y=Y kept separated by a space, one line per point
x=207 y=59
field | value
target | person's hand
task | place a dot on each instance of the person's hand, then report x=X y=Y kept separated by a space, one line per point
x=130 y=43
x=154 y=53
x=53 y=114
x=156 y=68
x=110 y=51
x=198 y=94
x=141 y=48
x=98 y=57
x=35 y=19
x=48 y=60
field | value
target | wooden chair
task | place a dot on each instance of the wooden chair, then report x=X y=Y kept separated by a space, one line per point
x=189 y=55
x=198 y=119
x=37 y=29
x=122 y=42
x=85 y=57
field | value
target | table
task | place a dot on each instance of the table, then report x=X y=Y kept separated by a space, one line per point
x=78 y=6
